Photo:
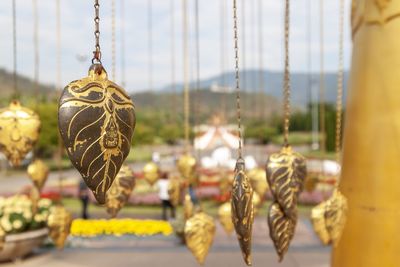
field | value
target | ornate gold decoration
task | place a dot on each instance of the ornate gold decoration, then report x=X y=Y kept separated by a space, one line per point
x=286 y=172
x=150 y=171
x=34 y=195
x=258 y=181
x=382 y=4
x=174 y=191
x=19 y=131
x=281 y=229
x=199 y=235
x=59 y=223
x=38 y=172
x=225 y=217
x=120 y=190
x=187 y=167
x=96 y=121
x=242 y=210
x=188 y=207
x=329 y=218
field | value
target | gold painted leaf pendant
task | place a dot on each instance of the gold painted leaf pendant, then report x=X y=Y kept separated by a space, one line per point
x=19 y=131
x=59 y=223
x=199 y=235
x=329 y=218
x=187 y=167
x=225 y=217
x=242 y=210
x=120 y=190
x=96 y=119
x=151 y=173
x=286 y=172
x=38 y=172
x=281 y=229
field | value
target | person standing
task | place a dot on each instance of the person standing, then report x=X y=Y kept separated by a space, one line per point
x=84 y=197
x=163 y=194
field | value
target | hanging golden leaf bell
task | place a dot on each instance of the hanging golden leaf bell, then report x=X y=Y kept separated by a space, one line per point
x=243 y=210
x=38 y=172
x=19 y=131
x=329 y=218
x=199 y=235
x=151 y=173
x=59 y=223
x=120 y=190
x=187 y=168
x=258 y=181
x=174 y=191
x=286 y=172
x=188 y=206
x=225 y=217
x=96 y=119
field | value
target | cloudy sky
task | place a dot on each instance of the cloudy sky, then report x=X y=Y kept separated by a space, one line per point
x=78 y=41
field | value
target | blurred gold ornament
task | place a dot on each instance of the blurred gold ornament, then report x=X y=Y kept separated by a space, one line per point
x=96 y=119
x=258 y=181
x=225 y=217
x=174 y=191
x=59 y=223
x=2 y=238
x=187 y=167
x=329 y=218
x=286 y=172
x=281 y=229
x=256 y=202
x=188 y=207
x=310 y=183
x=150 y=171
x=19 y=131
x=242 y=210
x=199 y=235
x=34 y=195
x=120 y=190
x=38 y=172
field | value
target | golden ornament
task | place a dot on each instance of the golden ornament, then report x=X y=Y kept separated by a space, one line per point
x=59 y=223
x=286 y=172
x=256 y=202
x=38 y=172
x=174 y=191
x=96 y=120
x=243 y=210
x=188 y=207
x=34 y=195
x=225 y=217
x=150 y=171
x=258 y=181
x=120 y=190
x=199 y=235
x=19 y=131
x=2 y=238
x=281 y=229
x=310 y=183
x=187 y=167
x=329 y=218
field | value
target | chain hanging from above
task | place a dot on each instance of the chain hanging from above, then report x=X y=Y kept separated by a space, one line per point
x=286 y=170
x=113 y=41
x=96 y=120
x=242 y=193
x=329 y=217
x=19 y=126
x=322 y=117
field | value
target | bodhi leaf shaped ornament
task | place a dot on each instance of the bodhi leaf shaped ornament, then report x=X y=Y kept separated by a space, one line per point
x=96 y=119
x=242 y=210
x=19 y=131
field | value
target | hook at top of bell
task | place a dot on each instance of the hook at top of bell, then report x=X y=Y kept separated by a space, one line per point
x=98 y=69
x=240 y=165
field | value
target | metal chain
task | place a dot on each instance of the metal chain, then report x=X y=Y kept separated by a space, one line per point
x=322 y=82
x=238 y=110
x=186 y=99
x=286 y=79
x=36 y=52
x=150 y=43
x=339 y=99
x=261 y=84
x=123 y=80
x=113 y=48
x=14 y=21
x=97 y=52
x=196 y=114
x=173 y=82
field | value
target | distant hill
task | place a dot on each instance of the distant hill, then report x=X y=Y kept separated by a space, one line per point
x=273 y=84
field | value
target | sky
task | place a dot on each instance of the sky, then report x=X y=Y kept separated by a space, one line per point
x=78 y=39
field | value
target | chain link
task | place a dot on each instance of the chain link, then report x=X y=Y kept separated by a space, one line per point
x=14 y=21
x=339 y=99
x=113 y=48
x=286 y=78
x=238 y=110
x=186 y=98
x=97 y=52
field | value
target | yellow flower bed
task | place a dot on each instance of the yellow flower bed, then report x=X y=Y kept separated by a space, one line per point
x=118 y=227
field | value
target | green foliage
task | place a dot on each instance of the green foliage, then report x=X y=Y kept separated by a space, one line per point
x=48 y=140
x=260 y=130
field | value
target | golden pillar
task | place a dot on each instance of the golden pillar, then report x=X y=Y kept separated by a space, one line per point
x=371 y=152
